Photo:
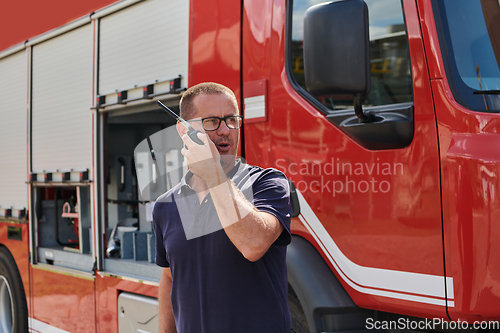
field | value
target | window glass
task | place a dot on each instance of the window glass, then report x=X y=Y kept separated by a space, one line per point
x=391 y=81
x=476 y=62
x=469 y=31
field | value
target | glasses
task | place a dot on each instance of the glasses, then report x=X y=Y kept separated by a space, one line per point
x=213 y=123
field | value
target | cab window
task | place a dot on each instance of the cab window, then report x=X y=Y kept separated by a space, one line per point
x=391 y=80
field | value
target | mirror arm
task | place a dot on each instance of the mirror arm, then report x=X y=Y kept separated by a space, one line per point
x=358 y=108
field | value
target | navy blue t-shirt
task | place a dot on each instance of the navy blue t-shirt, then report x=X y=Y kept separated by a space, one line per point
x=214 y=288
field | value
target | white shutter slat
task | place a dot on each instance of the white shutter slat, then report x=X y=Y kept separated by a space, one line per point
x=13 y=138
x=61 y=101
x=144 y=43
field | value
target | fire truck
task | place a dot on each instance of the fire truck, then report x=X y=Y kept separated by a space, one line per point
x=382 y=113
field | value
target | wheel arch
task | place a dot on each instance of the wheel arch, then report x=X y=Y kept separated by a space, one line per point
x=325 y=302
x=11 y=275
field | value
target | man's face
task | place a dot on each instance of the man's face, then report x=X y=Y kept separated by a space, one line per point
x=225 y=139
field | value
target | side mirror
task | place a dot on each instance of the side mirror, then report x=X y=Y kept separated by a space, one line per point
x=337 y=50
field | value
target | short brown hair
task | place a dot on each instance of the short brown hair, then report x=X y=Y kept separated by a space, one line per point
x=187 y=110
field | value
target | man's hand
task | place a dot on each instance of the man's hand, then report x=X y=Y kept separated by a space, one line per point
x=204 y=160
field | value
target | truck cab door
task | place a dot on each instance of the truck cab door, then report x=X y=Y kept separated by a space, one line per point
x=369 y=188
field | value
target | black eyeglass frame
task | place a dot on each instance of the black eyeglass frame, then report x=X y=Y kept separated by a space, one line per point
x=240 y=118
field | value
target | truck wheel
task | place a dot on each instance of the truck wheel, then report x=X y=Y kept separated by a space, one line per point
x=13 y=308
x=299 y=320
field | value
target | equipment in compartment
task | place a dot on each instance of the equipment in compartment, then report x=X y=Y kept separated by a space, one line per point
x=64 y=218
x=143 y=146
x=126 y=242
x=121 y=193
x=53 y=230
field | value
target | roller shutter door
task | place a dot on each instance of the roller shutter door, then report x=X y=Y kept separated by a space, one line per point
x=13 y=138
x=144 y=43
x=62 y=97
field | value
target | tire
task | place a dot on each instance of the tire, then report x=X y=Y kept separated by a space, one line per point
x=13 y=307
x=299 y=320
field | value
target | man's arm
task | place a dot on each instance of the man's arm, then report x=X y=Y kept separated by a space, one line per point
x=250 y=230
x=165 y=313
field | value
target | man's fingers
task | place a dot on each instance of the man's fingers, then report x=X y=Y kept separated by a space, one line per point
x=196 y=151
x=208 y=142
x=203 y=137
x=187 y=140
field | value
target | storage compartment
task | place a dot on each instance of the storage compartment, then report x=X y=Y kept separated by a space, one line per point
x=134 y=181
x=64 y=226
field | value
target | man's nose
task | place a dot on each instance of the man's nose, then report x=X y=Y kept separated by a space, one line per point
x=223 y=129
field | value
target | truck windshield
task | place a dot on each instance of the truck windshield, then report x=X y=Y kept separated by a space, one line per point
x=469 y=32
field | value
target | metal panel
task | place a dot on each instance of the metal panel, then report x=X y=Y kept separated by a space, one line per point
x=13 y=141
x=144 y=43
x=255 y=107
x=137 y=313
x=61 y=101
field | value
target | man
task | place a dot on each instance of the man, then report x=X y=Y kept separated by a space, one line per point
x=222 y=231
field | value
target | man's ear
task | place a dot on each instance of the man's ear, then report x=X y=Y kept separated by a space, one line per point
x=181 y=129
